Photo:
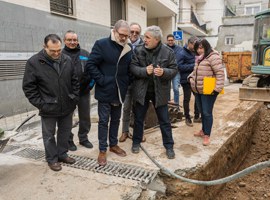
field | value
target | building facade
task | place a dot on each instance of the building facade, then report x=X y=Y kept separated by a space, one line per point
x=24 y=24
x=236 y=31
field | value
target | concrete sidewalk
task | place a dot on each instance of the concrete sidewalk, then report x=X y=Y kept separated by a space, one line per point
x=23 y=178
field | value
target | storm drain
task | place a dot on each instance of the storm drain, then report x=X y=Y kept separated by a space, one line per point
x=112 y=168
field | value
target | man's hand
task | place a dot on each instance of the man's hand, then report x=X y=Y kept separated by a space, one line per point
x=158 y=71
x=150 y=69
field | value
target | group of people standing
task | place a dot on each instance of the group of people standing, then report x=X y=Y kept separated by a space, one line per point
x=126 y=70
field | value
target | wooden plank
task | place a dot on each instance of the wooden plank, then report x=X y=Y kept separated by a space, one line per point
x=254 y=94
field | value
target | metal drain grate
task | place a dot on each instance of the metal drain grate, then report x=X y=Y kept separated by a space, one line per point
x=112 y=168
x=31 y=153
x=9 y=148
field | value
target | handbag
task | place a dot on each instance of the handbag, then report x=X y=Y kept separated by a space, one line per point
x=209 y=84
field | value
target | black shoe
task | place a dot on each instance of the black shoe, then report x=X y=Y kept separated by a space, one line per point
x=189 y=122
x=135 y=148
x=170 y=153
x=86 y=144
x=71 y=146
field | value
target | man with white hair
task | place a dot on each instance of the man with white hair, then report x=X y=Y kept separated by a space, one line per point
x=153 y=65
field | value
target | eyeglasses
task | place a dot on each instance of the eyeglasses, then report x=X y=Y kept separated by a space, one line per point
x=170 y=40
x=136 y=32
x=72 y=40
x=122 y=35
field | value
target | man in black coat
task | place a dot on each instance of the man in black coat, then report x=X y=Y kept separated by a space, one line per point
x=50 y=84
x=79 y=58
x=153 y=66
x=108 y=65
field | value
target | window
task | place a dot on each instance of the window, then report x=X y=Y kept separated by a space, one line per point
x=229 y=40
x=118 y=10
x=252 y=9
x=62 y=6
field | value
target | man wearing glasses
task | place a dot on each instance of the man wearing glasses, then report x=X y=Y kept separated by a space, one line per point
x=79 y=58
x=135 y=32
x=176 y=80
x=108 y=65
x=50 y=84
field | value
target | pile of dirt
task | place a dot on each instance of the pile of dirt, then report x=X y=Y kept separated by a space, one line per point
x=257 y=184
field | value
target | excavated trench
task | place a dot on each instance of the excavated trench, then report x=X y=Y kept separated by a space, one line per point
x=247 y=145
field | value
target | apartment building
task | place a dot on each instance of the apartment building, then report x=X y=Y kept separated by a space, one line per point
x=200 y=18
x=24 y=24
x=236 y=31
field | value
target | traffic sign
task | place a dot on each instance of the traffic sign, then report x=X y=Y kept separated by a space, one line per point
x=178 y=35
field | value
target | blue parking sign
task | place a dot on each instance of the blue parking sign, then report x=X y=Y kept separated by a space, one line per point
x=178 y=35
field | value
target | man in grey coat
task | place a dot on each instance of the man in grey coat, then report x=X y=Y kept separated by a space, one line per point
x=153 y=64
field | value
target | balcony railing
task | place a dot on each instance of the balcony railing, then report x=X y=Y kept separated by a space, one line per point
x=195 y=21
x=175 y=1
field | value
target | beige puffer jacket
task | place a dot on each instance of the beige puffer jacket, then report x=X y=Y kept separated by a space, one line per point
x=211 y=66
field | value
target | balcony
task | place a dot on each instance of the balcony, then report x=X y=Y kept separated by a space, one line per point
x=193 y=25
x=161 y=8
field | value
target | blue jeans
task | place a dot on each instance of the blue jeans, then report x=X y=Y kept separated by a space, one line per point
x=163 y=119
x=176 y=85
x=107 y=112
x=205 y=105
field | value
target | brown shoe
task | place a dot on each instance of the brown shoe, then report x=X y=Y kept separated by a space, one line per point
x=123 y=137
x=102 y=160
x=118 y=151
x=143 y=138
x=55 y=166
x=67 y=160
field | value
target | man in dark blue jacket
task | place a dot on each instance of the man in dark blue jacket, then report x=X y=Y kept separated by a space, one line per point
x=186 y=63
x=50 y=84
x=108 y=65
x=176 y=80
x=79 y=58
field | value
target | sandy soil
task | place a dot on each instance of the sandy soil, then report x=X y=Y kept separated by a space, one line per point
x=255 y=186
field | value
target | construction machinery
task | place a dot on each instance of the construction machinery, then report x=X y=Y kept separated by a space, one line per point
x=256 y=87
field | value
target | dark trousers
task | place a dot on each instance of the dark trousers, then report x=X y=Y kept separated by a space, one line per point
x=106 y=112
x=187 y=95
x=84 y=118
x=163 y=119
x=206 y=104
x=54 y=150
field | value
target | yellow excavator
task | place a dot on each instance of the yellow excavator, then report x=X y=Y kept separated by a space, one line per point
x=256 y=87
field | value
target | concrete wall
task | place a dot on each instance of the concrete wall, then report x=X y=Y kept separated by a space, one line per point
x=239 y=6
x=136 y=14
x=241 y=28
x=98 y=11
x=23 y=29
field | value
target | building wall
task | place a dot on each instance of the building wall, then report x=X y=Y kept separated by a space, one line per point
x=136 y=13
x=23 y=29
x=241 y=28
x=98 y=11
x=239 y=5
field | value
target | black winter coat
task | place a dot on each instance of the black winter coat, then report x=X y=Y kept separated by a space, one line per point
x=79 y=58
x=52 y=93
x=108 y=65
x=165 y=58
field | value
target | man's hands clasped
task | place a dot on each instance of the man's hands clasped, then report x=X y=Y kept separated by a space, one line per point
x=158 y=71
